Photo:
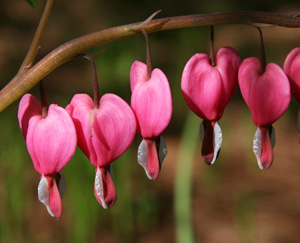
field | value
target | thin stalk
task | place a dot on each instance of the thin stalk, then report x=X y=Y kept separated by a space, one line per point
x=31 y=54
x=43 y=100
x=212 y=50
x=95 y=82
x=149 y=62
x=183 y=181
x=263 y=60
x=24 y=81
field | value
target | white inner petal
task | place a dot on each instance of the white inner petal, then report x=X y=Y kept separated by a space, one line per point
x=99 y=187
x=43 y=194
x=257 y=147
x=142 y=157
x=217 y=141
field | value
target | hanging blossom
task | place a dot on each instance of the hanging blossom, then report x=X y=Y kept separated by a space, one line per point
x=151 y=101
x=291 y=67
x=51 y=142
x=267 y=94
x=104 y=133
x=207 y=88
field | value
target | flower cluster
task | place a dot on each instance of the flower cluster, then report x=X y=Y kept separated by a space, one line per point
x=105 y=128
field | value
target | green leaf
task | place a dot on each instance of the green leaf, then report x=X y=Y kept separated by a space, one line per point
x=32 y=2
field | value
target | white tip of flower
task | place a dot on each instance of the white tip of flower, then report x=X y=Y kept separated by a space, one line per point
x=217 y=141
x=142 y=157
x=43 y=194
x=99 y=187
x=257 y=147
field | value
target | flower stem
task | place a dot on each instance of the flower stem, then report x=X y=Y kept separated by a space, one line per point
x=24 y=81
x=95 y=83
x=31 y=54
x=149 y=62
x=262 y=52
x=212 y=51
x=43 y=100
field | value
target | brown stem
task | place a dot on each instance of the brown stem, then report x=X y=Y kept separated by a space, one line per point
x=212 y=51
x=149 y=62
x=262 y=52
x=23 y=82
x=31 y=54
x=43 y=100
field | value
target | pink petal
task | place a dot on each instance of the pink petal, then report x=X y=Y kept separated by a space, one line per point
x=291 y=67
x=29 y=107
x=151 y=100
x=80 y=108
x=114 y=129
x=51 y=141
x=267 y=95
x=104 y=188
x=207 y=89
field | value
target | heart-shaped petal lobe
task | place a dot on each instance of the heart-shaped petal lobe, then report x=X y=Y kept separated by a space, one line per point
x=268 y=94
x=291 y=67
x=113 y=127
x=151 y=100
x=51 y=141
x=207 y=89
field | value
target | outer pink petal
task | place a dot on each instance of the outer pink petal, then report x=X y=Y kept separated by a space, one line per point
x=202 y=87
x=267 y=95
x=227 y=62
x=80 y=108
x=292 y=69
x=29 y=107
x=151 y=100
x=52 y=141
x=138 y=73
x=113 y=130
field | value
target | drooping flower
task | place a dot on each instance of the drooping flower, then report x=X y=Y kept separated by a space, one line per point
x=151 y=102
x=51 y=142
x=267 y=94
x=207 y=90
x=104 y=134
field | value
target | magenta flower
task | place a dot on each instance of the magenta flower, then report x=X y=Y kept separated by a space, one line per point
x=104 y=134
x=291 y=67
x=151 y=102
x=267 y=95
x=207 y=90
x=51 y=142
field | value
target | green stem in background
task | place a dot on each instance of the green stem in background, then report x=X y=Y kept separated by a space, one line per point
x=24 y=81
x=31 y=54
x=183 y=181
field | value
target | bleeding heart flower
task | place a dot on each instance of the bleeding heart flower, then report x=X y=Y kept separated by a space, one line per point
x=267 y=95
x=104 y=134
x=207 y=90
x=151 y=102
x=291 y=67
x=51 y=142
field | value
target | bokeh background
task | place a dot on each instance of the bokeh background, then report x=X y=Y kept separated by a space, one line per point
x=231 y=201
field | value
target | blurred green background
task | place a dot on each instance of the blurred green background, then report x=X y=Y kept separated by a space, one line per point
x=231 y=201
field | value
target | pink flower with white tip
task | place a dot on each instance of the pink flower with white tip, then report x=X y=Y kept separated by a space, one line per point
x=51 y=142
x=267 y=95
x=207 y=88
x=104 y=134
